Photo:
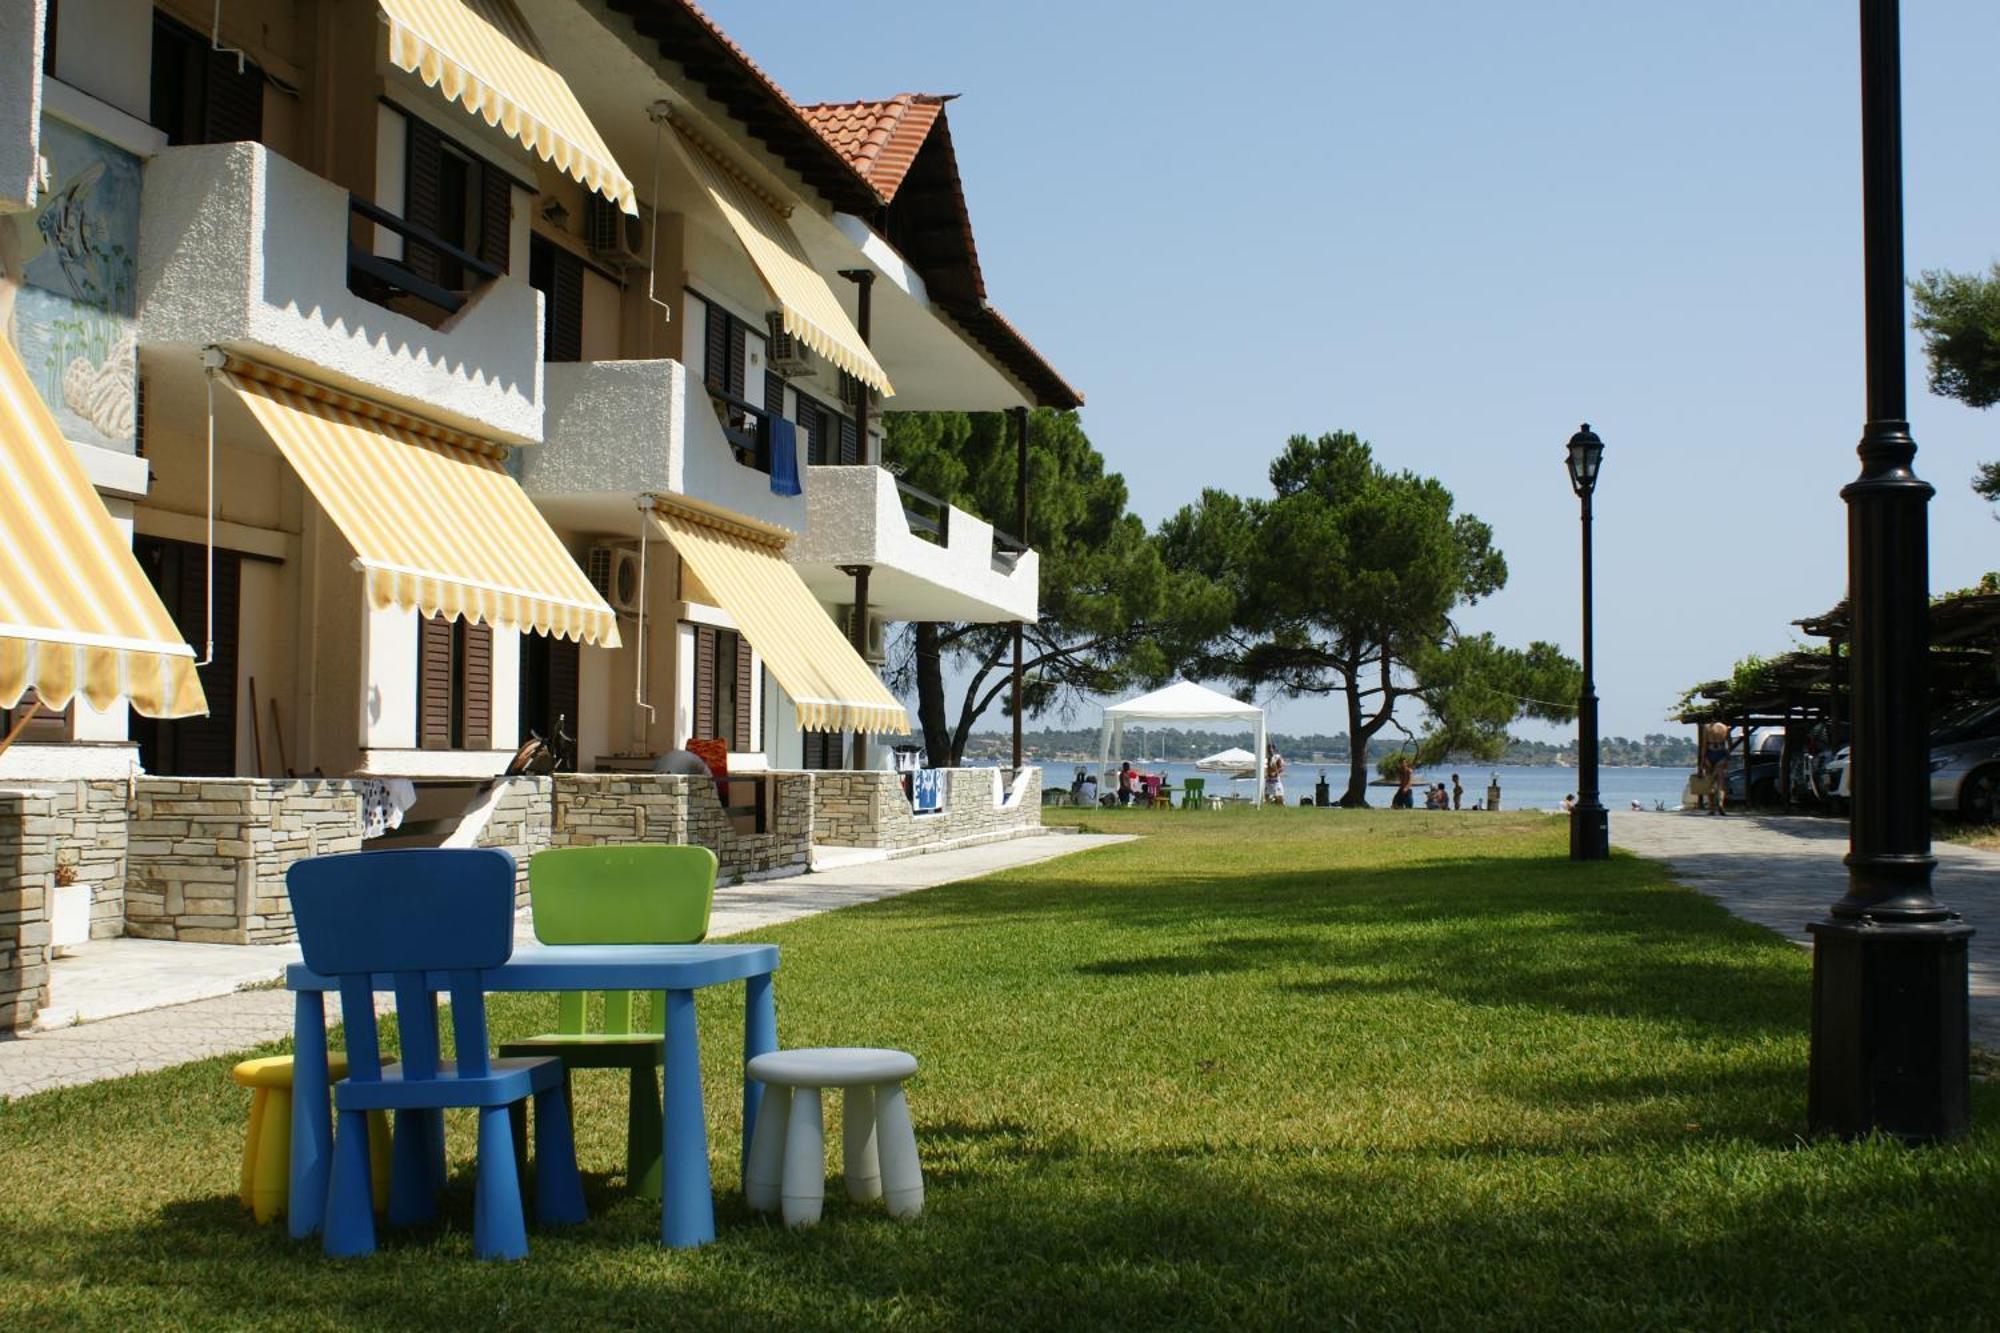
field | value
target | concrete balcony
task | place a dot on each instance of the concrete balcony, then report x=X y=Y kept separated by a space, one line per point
x=928 y=560
x=613 y=429
x=242 y=249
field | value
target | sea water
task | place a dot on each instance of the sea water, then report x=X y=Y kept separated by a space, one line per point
x=1522 y=787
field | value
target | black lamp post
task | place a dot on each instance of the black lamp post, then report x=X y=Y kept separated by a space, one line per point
x=1589 y=825
x=1889 y=1038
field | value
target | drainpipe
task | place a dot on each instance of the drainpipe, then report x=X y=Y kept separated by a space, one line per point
x=857 y=633
x=864 y=284
x=1020 y=532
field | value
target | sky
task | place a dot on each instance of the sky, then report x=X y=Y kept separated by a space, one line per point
x=1460 y=230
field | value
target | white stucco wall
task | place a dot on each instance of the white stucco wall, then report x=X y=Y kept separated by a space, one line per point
x=856 y=518
x=105 y=47
x=389 y=703
x=21 y=23
x=241 y=248
x=622 y=428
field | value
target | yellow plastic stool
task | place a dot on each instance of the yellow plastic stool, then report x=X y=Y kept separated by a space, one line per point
x=267 y=1149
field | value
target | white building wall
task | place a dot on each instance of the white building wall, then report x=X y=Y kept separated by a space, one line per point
x=21 y=26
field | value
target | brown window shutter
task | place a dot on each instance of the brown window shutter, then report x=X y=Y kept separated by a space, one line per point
x=850 y=442
x=434 y=635
x=735 y=356
x=715 y=339
x=774 y=393
x=422 y=206
x=496 y=216
x=475 y=686
x=234 y=108
x=704 y=682
x=812 y=425
x=48 y=727
x=565 y=332
x=743 y=682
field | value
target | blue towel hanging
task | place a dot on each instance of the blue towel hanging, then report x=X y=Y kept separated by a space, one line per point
x=784 y=457
x=927 y=791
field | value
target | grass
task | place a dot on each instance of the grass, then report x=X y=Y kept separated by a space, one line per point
x=1260 y=1069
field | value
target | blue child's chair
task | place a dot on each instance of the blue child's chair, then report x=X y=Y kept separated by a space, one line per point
x=448 y=913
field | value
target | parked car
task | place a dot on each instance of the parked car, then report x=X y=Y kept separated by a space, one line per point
x=1766 y=756
x=1964 y=764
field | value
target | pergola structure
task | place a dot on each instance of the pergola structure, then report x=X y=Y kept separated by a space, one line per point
x=1807 y=692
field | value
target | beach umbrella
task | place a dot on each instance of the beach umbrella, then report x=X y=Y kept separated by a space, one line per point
x=1237 y=762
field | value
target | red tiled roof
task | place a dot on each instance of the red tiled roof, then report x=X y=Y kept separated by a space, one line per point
x=880 y=139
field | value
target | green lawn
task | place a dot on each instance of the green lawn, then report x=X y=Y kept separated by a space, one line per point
x=1261 y=1068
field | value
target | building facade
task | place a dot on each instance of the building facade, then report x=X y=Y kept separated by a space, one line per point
x=451 y=403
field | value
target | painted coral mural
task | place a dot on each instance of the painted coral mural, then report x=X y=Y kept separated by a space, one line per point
x=67 y=286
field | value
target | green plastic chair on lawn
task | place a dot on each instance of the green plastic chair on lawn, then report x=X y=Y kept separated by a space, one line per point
x=1193 y=793
x=640 y=894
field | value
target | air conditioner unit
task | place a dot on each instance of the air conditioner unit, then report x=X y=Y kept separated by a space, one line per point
x=788 y=356
x=876 y=651
x=614 y=572
x=614 y=236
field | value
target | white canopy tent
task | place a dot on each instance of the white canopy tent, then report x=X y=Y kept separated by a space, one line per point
x=1182 y=701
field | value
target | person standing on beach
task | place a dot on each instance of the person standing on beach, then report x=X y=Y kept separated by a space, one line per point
x=1457 y=793
x=1274 y=775
x=1715 y=762
x=1405 y=774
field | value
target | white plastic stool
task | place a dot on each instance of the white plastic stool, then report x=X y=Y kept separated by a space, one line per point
x=787 y=1168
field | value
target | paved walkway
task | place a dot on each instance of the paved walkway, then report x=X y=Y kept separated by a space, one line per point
x=160 y=1037
x=1783 y=871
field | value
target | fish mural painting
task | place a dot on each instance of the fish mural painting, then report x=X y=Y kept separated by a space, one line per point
x=68 y=279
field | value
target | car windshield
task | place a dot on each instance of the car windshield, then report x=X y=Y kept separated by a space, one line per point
x=1968 y=721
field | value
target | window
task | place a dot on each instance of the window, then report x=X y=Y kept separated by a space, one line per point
x=558 y=276
x=822 y=750
x=454 y=195
x=731 y=361
x=724 y=685
x=454 y=685
x=199 y=95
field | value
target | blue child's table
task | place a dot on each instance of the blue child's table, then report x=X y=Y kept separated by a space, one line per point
x=687 y=1203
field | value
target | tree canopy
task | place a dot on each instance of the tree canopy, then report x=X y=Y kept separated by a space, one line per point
x=1345 y=581
x=1103 y=586
x=1959 y=316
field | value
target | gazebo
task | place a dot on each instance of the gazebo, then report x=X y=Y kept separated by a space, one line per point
x=1182 y=701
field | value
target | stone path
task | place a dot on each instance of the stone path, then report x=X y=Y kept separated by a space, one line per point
x=1783 y=871
x=162 y=1037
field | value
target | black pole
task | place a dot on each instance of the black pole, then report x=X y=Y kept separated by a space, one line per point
x=1889 y=1037
x=1589 y=824
x=1021 y=532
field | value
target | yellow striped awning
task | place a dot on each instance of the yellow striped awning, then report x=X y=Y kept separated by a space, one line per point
x=482 y=55
x=436 y=523
x=747 y=574
x=811 y=312
x=77 y=614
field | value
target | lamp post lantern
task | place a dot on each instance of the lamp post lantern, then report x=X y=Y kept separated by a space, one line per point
x=1889 y=1030
x=1589 y=825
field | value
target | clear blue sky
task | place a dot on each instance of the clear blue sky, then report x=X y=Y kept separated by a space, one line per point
x=1459 y=229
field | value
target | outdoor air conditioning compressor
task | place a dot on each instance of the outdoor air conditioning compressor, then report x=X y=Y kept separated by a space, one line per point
x=614 y=572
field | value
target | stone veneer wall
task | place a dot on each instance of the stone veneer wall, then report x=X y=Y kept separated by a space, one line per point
x=868 y=809
x=27 y=873
x=520 y=823
x=208 y=856
x=594 y=808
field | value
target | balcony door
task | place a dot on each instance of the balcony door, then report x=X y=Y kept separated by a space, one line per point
x=199 y=95
x=195 y=747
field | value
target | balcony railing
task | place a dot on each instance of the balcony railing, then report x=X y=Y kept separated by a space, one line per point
x=1007 y=551
x=383 y=280
x=928 y=517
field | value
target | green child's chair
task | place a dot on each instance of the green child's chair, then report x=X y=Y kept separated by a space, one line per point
x=639 y=894
x=1194 y=793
